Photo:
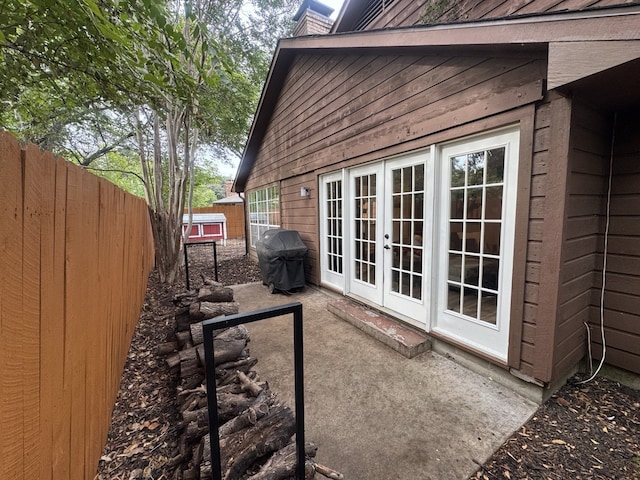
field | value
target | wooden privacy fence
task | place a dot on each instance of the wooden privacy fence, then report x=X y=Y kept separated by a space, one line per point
x=234 y=214
x=75 y=253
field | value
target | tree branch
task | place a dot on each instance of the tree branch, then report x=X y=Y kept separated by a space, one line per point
x=103 y=151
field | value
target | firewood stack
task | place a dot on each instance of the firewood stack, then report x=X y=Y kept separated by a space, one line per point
x=256 y=431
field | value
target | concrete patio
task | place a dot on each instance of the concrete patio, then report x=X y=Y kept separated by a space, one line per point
x=373 y=413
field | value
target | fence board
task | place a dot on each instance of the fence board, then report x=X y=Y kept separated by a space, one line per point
x=30 y=328
x=75 y=253
x=51 y=342
x=11 y=412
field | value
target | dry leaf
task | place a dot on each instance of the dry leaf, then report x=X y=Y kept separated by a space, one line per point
x=558 y=442
x=506 y=474
x=562 y=402
x=594 y=442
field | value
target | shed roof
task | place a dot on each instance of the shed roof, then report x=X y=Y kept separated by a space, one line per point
x=205 y=218
x=550 y=32
x=233 y=199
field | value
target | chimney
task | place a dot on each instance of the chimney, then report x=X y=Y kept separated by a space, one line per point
x=227 y=188
x=313 y=19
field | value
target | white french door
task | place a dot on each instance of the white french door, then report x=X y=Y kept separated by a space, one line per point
x=366 y=200
x=429 y=236
x=387 y=231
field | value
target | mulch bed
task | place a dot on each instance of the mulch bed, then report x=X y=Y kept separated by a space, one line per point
x=589 y=431
x=584 y=431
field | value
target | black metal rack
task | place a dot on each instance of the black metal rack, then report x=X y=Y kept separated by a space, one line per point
x=208 y=326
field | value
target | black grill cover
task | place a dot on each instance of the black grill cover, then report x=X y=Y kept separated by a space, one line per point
x=281 y=259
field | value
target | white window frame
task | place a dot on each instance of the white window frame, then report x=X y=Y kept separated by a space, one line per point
x=493 y=340
x=264 y=211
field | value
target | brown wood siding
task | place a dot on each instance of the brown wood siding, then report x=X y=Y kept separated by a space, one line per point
x=590 y=133
x=622 y=295
x=479 y=9
x=401 y=13
x=536 y=223
x=301 y=214
x=354 y=114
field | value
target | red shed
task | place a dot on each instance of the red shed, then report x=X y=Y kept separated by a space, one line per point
x=206 y=227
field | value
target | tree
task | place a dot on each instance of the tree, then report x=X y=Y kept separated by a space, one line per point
x=102 y=80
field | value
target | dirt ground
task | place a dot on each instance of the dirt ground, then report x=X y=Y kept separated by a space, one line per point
x=589 y=431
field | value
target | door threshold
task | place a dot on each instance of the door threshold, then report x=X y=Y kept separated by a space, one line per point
x=386 y=329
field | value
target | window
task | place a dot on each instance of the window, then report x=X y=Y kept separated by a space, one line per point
x=264 y=212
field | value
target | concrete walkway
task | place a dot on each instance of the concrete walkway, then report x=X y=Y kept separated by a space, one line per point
x=373 y=413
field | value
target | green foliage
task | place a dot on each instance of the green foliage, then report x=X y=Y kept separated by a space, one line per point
x=121 y=170
x=435 y=9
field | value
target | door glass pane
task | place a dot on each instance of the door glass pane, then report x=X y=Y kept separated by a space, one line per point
x=474 y=203
x=407 y=179
x=457 y=203
x=453 y=298
x=471 y=270
x=365 y=228
x=334 y=225
x=492 y=238
x=455 y=267
x=489 y=308
x=456 y=233
x=493 y=209
x=495 y=165
x=418 y=206
x=397 y=181
x=407 y=226
x=475 y=163
x=419 y=177
x=470 y=302
x=490 y=271
x=458 y=168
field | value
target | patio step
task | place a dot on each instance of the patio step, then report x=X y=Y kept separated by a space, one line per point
x=388 y=330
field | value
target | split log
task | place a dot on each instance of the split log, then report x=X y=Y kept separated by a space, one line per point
x=249 y=416
x=191 y=359
x=327 y=472
x=231 y=405
x=282 y=464
x=166 y=348
x=210 y=281
x=192 y=382
x=189 y=362
x=205 y=310
x=249 y=385
x=183 y=320
x=184 y=339
x=241 y=449
x=215 y=293
x=196 y=333
x=173 y=360
x=200 y=416
x=184 y=299
x=226 y=350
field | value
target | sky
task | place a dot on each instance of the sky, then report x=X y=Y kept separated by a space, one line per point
x=230 y=170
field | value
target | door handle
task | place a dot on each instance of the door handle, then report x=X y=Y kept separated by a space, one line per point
x=387 y=247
